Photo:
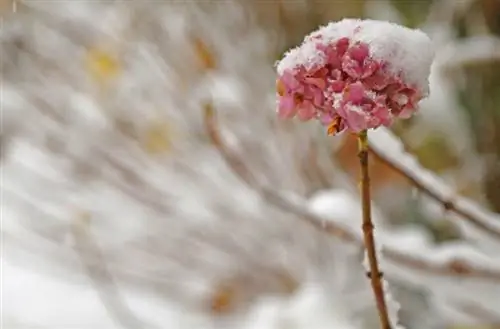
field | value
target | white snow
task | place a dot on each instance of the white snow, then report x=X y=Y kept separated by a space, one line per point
x=408 y=52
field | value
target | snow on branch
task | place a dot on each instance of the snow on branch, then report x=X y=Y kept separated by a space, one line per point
x=387 y=148
x=452 y=266
x=470 y=51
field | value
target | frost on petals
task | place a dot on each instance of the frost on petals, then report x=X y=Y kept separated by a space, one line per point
x=355 y=75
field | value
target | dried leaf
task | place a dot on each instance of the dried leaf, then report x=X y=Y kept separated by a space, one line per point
x=223 y=300
x=288 y=282
x=102 y=65
x=157 y=138
x=204 y=54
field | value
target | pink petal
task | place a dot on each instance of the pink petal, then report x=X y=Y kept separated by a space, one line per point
x=326 y=119
x=359 y=52
x=355 y=93
x=406 y=112
x=306 y=111
x=321 y=47
x=334 y=59
x=378 y=81
x=321 y=73
x=290 y=81
x=352 y=67
x=380 y=100
x=393 y=88
x=286 y=107
x=342 y=45
x=382 y=115
x=355 y=120
x=337 y=86
x=336 y=74
x=401 y=99
x=318 y=98
x=318 y=82
x=369 y=68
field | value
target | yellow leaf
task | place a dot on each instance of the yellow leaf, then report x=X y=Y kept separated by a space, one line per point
x=158 y=138
x=205 y=56
x=102 y=65
x=223 y=299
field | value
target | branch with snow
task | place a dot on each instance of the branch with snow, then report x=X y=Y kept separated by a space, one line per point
x=428 y=268
x=450 y=267
x=387 y=148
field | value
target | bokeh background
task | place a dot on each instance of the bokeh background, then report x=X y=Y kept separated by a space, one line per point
x=120 y=209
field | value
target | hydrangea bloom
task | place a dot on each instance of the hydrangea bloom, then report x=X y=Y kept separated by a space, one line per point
x=355 y=75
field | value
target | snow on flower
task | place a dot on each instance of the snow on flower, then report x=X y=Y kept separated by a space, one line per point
x=355 y=75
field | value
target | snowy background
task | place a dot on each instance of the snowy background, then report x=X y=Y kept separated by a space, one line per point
x=124 y=205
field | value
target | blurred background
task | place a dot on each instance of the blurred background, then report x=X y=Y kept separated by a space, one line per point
x=121 y=209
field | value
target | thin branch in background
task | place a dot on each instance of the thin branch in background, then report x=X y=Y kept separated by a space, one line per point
x=433 y=193
x=367 y=227
x=486 y=317
x=453 y=268
x=315 y=169
x=95 y=265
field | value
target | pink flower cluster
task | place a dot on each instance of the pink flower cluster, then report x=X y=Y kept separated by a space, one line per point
x=346 y=90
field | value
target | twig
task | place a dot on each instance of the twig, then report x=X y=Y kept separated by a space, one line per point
x=375 y=274
x=486 y=317
x=94 y=263
x=449 y=205
x=455 y=268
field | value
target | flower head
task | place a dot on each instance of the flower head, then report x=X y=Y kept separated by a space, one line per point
x=355 y=75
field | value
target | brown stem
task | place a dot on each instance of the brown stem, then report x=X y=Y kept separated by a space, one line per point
x=375 y=274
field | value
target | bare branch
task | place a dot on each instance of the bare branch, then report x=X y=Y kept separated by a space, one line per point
x=454 y=268
x=94 y=263
x=458 y=206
